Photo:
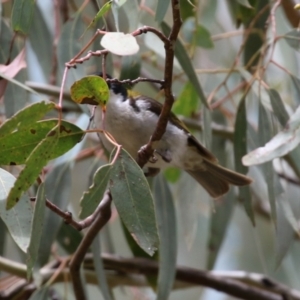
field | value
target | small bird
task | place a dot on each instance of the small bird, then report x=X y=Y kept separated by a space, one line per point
x=131 y=120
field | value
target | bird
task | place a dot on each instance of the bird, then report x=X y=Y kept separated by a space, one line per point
x=131 y=120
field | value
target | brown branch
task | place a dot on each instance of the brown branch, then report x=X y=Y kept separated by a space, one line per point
x=102 y=218
x=146 y=151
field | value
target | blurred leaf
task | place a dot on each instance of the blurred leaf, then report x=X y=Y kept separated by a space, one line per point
x=281 y=144
x=278 y=107
x=296 y=83
x=240 y=149
x=22 y=15
x=245 y=3
x=206 y=130
x=187 y=102
x=187 y=9
x=220 y=216
x=120 y=43
x=38 y=158
x=99 y=269
x=36 y=229
x=18 y=220
x=41 y=39
x=128 y=186
x=202 y=38
x=58 y=186
x=16 y=147
x=265 y=133
x=103 y=10
x=293 y=39
x=161 y=10
x=91 y=89
x=186 y=64
x=69 y=238
x=25 y=117
x=285 y=234
x=91 y=198
x=131 y=67
x=40 y=294
x=132 y=8
x=167 y=232
x=172 y=174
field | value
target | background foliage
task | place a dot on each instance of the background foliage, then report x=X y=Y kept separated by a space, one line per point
x=239 y=58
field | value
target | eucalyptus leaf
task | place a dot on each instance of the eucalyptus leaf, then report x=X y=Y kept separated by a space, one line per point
x=167 y=231
x=161 y=10
x=18 y=220
x=293 y=39
x=36 y=229
x=133 y=199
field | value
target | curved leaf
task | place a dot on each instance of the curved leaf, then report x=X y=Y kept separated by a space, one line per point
x=91 y=198
x=133 y=200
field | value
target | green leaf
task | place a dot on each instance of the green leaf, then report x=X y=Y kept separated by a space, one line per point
x=91 y=198
x=202 y=37
x=187 y=9
x=99 y=269
x=41 y=294
x=161 y=10
x=240 y=149
x=36 y=229
x=187 y=102
x=18 y=220
x=245 y=3
x=278 y=107
x=90 y=90
x=25 y=117
x=264 y=134
x=172 y=174
x=58 y=188
x=38 y=158
x=22 y=15
x=16 y=147
x=133 y=200
x=293 y=39
x=186 y=64
x=167 y=231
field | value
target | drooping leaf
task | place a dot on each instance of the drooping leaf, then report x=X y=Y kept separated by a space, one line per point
x=133 y=200
x=22 y=15
x=25 y=117
x=131 y=67
x=186 y=64
x=161 y=10
x=120 y=43
x=264 y=134
x=91 y=198
x=167 y=231
x=99 y=269
x=90 y=90
x=202 y=38
x=16 y=147
x=278 y=107
x=18 y=220
x=240 y=149
x=58 y=188
x=36 y=229
x=38 y=158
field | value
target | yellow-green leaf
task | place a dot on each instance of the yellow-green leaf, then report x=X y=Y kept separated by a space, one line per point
x=91 y=89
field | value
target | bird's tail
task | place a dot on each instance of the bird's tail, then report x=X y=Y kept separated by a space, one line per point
x=216 y=179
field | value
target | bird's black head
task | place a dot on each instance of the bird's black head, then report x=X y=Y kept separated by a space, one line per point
x=116 y=87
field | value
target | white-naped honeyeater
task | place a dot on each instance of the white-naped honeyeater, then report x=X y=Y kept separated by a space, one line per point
x=131 y=120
